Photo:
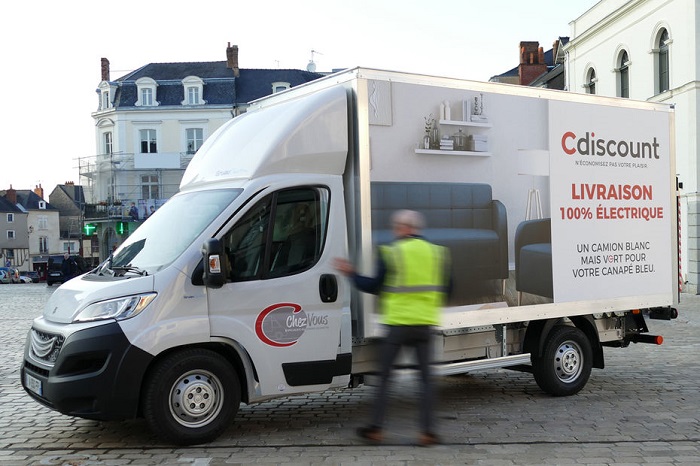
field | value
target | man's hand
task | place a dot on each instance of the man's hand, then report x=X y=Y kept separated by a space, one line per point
x=343 y=266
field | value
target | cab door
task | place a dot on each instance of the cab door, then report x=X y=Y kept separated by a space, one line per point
x=282 y=300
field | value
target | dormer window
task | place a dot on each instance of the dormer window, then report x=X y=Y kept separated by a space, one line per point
x=146 y=92
x=106 y=93
x=279 y=87
x=42 y=205
x=194 y=90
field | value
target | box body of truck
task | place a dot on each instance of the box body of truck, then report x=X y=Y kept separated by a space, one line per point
x=558 y=209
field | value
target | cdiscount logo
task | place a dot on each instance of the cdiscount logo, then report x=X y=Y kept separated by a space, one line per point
x=589 y=144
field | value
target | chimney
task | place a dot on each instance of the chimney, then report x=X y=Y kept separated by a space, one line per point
x=11 y=195
x=532 y=62
x=105 y=69
x=232 y=59
x=39 y=191
x=555 y=50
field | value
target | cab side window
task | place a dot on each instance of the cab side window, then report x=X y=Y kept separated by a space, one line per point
x=283 y=234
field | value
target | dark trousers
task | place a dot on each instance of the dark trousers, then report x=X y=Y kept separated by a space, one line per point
x=418 y=338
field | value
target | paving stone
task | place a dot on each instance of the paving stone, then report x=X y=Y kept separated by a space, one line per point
x=643 y=408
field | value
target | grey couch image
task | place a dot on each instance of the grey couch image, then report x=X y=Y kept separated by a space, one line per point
x=461 y=216
x=533 y=258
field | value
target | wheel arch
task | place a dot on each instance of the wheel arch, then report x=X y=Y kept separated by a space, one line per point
x=232 y=351
x=538 y=331
x=587 y=325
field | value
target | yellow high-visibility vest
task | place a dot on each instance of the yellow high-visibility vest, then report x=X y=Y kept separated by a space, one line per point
x=414 y=286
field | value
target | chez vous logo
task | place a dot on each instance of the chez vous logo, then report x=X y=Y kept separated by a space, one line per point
x=282 y=324
x=590 y=145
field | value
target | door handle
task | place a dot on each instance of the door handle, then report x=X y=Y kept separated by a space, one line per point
x=328 y=288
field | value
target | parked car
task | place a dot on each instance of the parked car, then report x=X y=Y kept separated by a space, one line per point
x=55 y=272
x=12 y=273
x=25 y=279
x=34 y=275
x=4 y=277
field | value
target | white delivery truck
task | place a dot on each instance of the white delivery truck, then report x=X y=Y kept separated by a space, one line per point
x=559 y=211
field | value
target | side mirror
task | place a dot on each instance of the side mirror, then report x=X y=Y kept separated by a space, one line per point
x=213 y=271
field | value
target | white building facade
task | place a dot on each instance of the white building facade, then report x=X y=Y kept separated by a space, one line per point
x=648 y=50
x=148 y=126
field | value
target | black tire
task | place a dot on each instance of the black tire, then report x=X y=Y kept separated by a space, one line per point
x=203 y=378
x=566 y=362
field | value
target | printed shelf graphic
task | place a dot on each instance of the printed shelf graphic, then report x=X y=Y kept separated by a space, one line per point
x=610 y=182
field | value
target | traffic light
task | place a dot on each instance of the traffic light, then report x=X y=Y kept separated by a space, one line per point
x=122 y=227
x=90 y=229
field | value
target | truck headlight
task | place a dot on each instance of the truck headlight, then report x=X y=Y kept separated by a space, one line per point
x=118 y=308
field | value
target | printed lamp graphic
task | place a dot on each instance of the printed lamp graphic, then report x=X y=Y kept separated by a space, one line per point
x=533 y=162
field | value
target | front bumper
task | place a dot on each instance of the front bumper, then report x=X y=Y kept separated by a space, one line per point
x=94 y=373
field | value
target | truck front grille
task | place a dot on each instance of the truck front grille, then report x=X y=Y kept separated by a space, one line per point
x=45 y=346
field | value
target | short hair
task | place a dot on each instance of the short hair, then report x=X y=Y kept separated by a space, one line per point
x=409 y=218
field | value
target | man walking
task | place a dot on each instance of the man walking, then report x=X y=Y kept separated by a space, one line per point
x=412 y=282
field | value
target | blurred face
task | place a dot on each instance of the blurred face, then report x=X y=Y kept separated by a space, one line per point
x=401 y=230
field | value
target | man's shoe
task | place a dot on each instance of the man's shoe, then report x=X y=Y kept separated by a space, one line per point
x=372 y=434
x=428 y=439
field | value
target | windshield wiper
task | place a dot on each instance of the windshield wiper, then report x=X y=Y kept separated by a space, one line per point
x=105 y=266
x=128 y=268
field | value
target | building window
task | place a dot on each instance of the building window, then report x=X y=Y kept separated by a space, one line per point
x=148 y=141
x=42 y=222
x=195 y=138
x=146 y=92
x=10 y=234
x=69 y=247
x=663 y=64
x=147 y=97
x=105 y=95
x=590 y=82
x=10 y=218
x=107 y=143
x=43 y=245
x=192 y=95
x=279 y=87
x=9 y=254
x=149 y=187
x=193 y=91
x=623 y=74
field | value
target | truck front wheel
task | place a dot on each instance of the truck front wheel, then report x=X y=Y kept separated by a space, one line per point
x=566 y=362
x=191 y=396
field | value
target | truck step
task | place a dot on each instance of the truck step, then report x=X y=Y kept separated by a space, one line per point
x=479 y=364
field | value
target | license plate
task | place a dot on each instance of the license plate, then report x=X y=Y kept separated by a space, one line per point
x=32 y=384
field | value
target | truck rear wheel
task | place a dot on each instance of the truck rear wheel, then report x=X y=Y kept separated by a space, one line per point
x=566 y=362
x=191 y=397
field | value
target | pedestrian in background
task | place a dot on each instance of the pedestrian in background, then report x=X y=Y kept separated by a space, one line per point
x=412 y=281
x=68 y=267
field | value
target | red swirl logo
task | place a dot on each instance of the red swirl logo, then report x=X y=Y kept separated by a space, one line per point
x=281 y=324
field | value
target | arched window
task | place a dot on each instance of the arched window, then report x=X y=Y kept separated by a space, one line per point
x=623 y=75
x=662 y=65
x=591 y=79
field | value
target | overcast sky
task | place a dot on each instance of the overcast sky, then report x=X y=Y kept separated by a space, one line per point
x=51 y=53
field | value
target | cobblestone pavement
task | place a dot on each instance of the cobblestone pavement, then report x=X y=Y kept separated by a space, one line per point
x=644 y=408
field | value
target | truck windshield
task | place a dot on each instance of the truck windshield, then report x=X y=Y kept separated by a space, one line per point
x=168 y=232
